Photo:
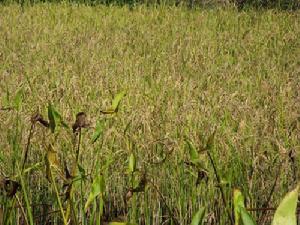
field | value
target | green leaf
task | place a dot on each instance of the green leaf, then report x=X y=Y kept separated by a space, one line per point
x=116 y=101
x=98 y=188
x=198 y=217
x=18 y=99
x=286 y=211
x=246 y=217
x=98 y=131
x=81 y=171
x=238 y=202
x=59 y=118
x=51 y=117
x=192 y=152
x=132 y=163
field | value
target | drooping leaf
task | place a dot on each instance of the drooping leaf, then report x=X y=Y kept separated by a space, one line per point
x=198 y=217
x=116 y=101
x=246 y=217
x=238 y=203
x=132 y=163
x=80 y=122
x=98 y=131
x=51 y=117
x=52 y=161
x=286 y=212
x=98 y=188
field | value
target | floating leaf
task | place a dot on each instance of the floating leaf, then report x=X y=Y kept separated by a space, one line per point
x=51 y=117
x=246 y=217
x=132 y=163
x=286 y=211
x=98 y=131
x=198 y=217
x=98 y=188
x=238 y=202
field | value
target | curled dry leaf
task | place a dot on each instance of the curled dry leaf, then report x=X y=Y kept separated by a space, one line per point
x=9 y=186
x=80 y=122
x=39 y=118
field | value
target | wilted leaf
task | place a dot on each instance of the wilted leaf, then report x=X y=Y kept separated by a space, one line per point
x=198 y=217
x=10 y=186
x=98 y=131
x=238 y=202
x=51 y=117
x=39 y=118
x=286 y=211
x=132 y=163
x=246 y=217
x=51 y=161
x=80 y=122
x=98 y=188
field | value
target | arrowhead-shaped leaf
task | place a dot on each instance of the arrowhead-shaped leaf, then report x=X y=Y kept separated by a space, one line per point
x=286 y=211
x=238 y=202
x=194 y=156
x=246 y=217
x=198 y=217
x=98 y=188
x=116 y=101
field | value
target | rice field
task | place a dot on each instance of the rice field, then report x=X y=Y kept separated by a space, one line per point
x=146 y=114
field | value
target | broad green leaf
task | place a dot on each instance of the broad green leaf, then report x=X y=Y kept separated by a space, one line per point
x=198 y=217
x=98 y=188
x=246 y=217
x=98 y=131
x=18 y=99
x=51 y=117
x=238 y=202
x=132 y=163
x=286 y=212
x=116 y=101
x=192 y=152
